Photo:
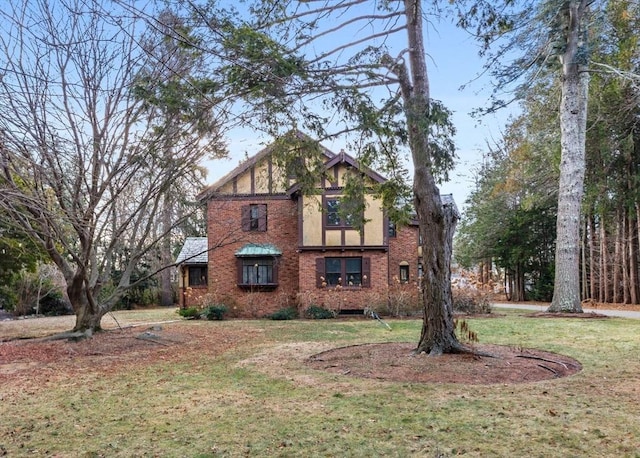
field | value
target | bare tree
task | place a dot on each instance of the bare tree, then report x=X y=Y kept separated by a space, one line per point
x=84 y=168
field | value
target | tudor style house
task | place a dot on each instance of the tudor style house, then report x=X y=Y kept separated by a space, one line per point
x=269 y=246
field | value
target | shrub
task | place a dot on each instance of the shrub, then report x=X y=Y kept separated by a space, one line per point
x=215 y=312
x=470 y=300
x=287 y=313
x=315 y=312
x=399 y=300
x=189 y=313
x=54 y=304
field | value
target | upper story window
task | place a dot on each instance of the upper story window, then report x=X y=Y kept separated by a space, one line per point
x=392 y=232
x=334 y=219
x=254 y=217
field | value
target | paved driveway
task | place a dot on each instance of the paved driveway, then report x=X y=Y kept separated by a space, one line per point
x=542 y=308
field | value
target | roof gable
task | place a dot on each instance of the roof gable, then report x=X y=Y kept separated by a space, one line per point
x=252 y=161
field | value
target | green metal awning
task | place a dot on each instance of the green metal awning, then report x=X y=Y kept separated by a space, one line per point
x=258 y=249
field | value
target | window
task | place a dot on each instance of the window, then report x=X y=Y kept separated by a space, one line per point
x=404 y=273
x=197 y=275
x=420 y=270
x=346 y=272
x=392 y=229
x=259 y=271
x=254 y=217
x=333 y=207
x=334 y=219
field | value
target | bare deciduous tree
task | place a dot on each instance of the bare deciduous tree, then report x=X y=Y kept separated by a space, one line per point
x=84 y=168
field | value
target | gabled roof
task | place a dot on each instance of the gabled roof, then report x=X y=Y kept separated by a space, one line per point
x=344 y=158
x=250 y=162
x=194 y=251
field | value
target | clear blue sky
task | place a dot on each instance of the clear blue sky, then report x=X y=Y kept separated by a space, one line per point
x=452 y=62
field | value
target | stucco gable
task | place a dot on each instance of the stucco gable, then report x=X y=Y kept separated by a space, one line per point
x=245 y=167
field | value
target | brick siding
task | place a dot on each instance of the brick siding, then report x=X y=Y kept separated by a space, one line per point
x=404 y=247
x=226 y=236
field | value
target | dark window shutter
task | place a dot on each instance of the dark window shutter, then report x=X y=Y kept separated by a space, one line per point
x=239 y=270
x=366 y=272
x=319 y=272
x=262 y=218
x=246 y=218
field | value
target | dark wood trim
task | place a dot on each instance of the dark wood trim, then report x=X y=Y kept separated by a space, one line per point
x=300 y=220
x=252 y=197
x=324 y=220
x=343 y=248
x=253 y=180
x=235 y=185
x=270 y=173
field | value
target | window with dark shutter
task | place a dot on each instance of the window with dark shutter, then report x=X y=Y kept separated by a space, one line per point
x=254 y=217
x=320 y=278
x=349 y=272
x=246 y=218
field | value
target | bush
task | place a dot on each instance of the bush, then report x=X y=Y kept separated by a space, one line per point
x=287 y=313
x=470 y=300
x=315 y=312
x=54 y=304
x=190 y=313
x=215 y=312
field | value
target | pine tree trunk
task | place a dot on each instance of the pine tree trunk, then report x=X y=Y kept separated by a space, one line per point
x=604 y=290
x=625 y=259
x=617 y=260
x=436 y=222
x=632 y=238
x=573 y=121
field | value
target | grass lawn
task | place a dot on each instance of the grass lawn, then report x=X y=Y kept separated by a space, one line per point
x=240 y=388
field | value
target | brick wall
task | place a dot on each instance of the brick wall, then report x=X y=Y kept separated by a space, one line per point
x=226 y=236
x=404 y=247
x=342 y=298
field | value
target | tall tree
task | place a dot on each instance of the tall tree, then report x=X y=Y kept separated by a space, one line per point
x=548 y=34
x=296 y=61
x=179 y=99
x=84 y=168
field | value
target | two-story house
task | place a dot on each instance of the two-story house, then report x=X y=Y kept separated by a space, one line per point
x=269 y=246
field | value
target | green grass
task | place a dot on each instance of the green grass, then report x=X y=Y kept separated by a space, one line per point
x=259 y=400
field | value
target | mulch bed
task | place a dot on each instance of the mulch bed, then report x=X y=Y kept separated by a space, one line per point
x=397 y=362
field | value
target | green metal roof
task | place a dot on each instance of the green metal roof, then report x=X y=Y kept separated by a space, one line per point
x=258 y=249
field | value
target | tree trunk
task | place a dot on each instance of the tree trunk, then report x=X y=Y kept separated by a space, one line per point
x=573 y=121
x=632 y=238
x=587 y=247
x=436 y=223
x=438 y=329
x=604 y=290
x=166 y=258
x=88 y=313
x=617 y=259
x=625 y=258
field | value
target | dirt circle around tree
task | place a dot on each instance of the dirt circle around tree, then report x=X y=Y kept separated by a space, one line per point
x=397 y=362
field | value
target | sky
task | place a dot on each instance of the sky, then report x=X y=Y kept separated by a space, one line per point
x=453 y=61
